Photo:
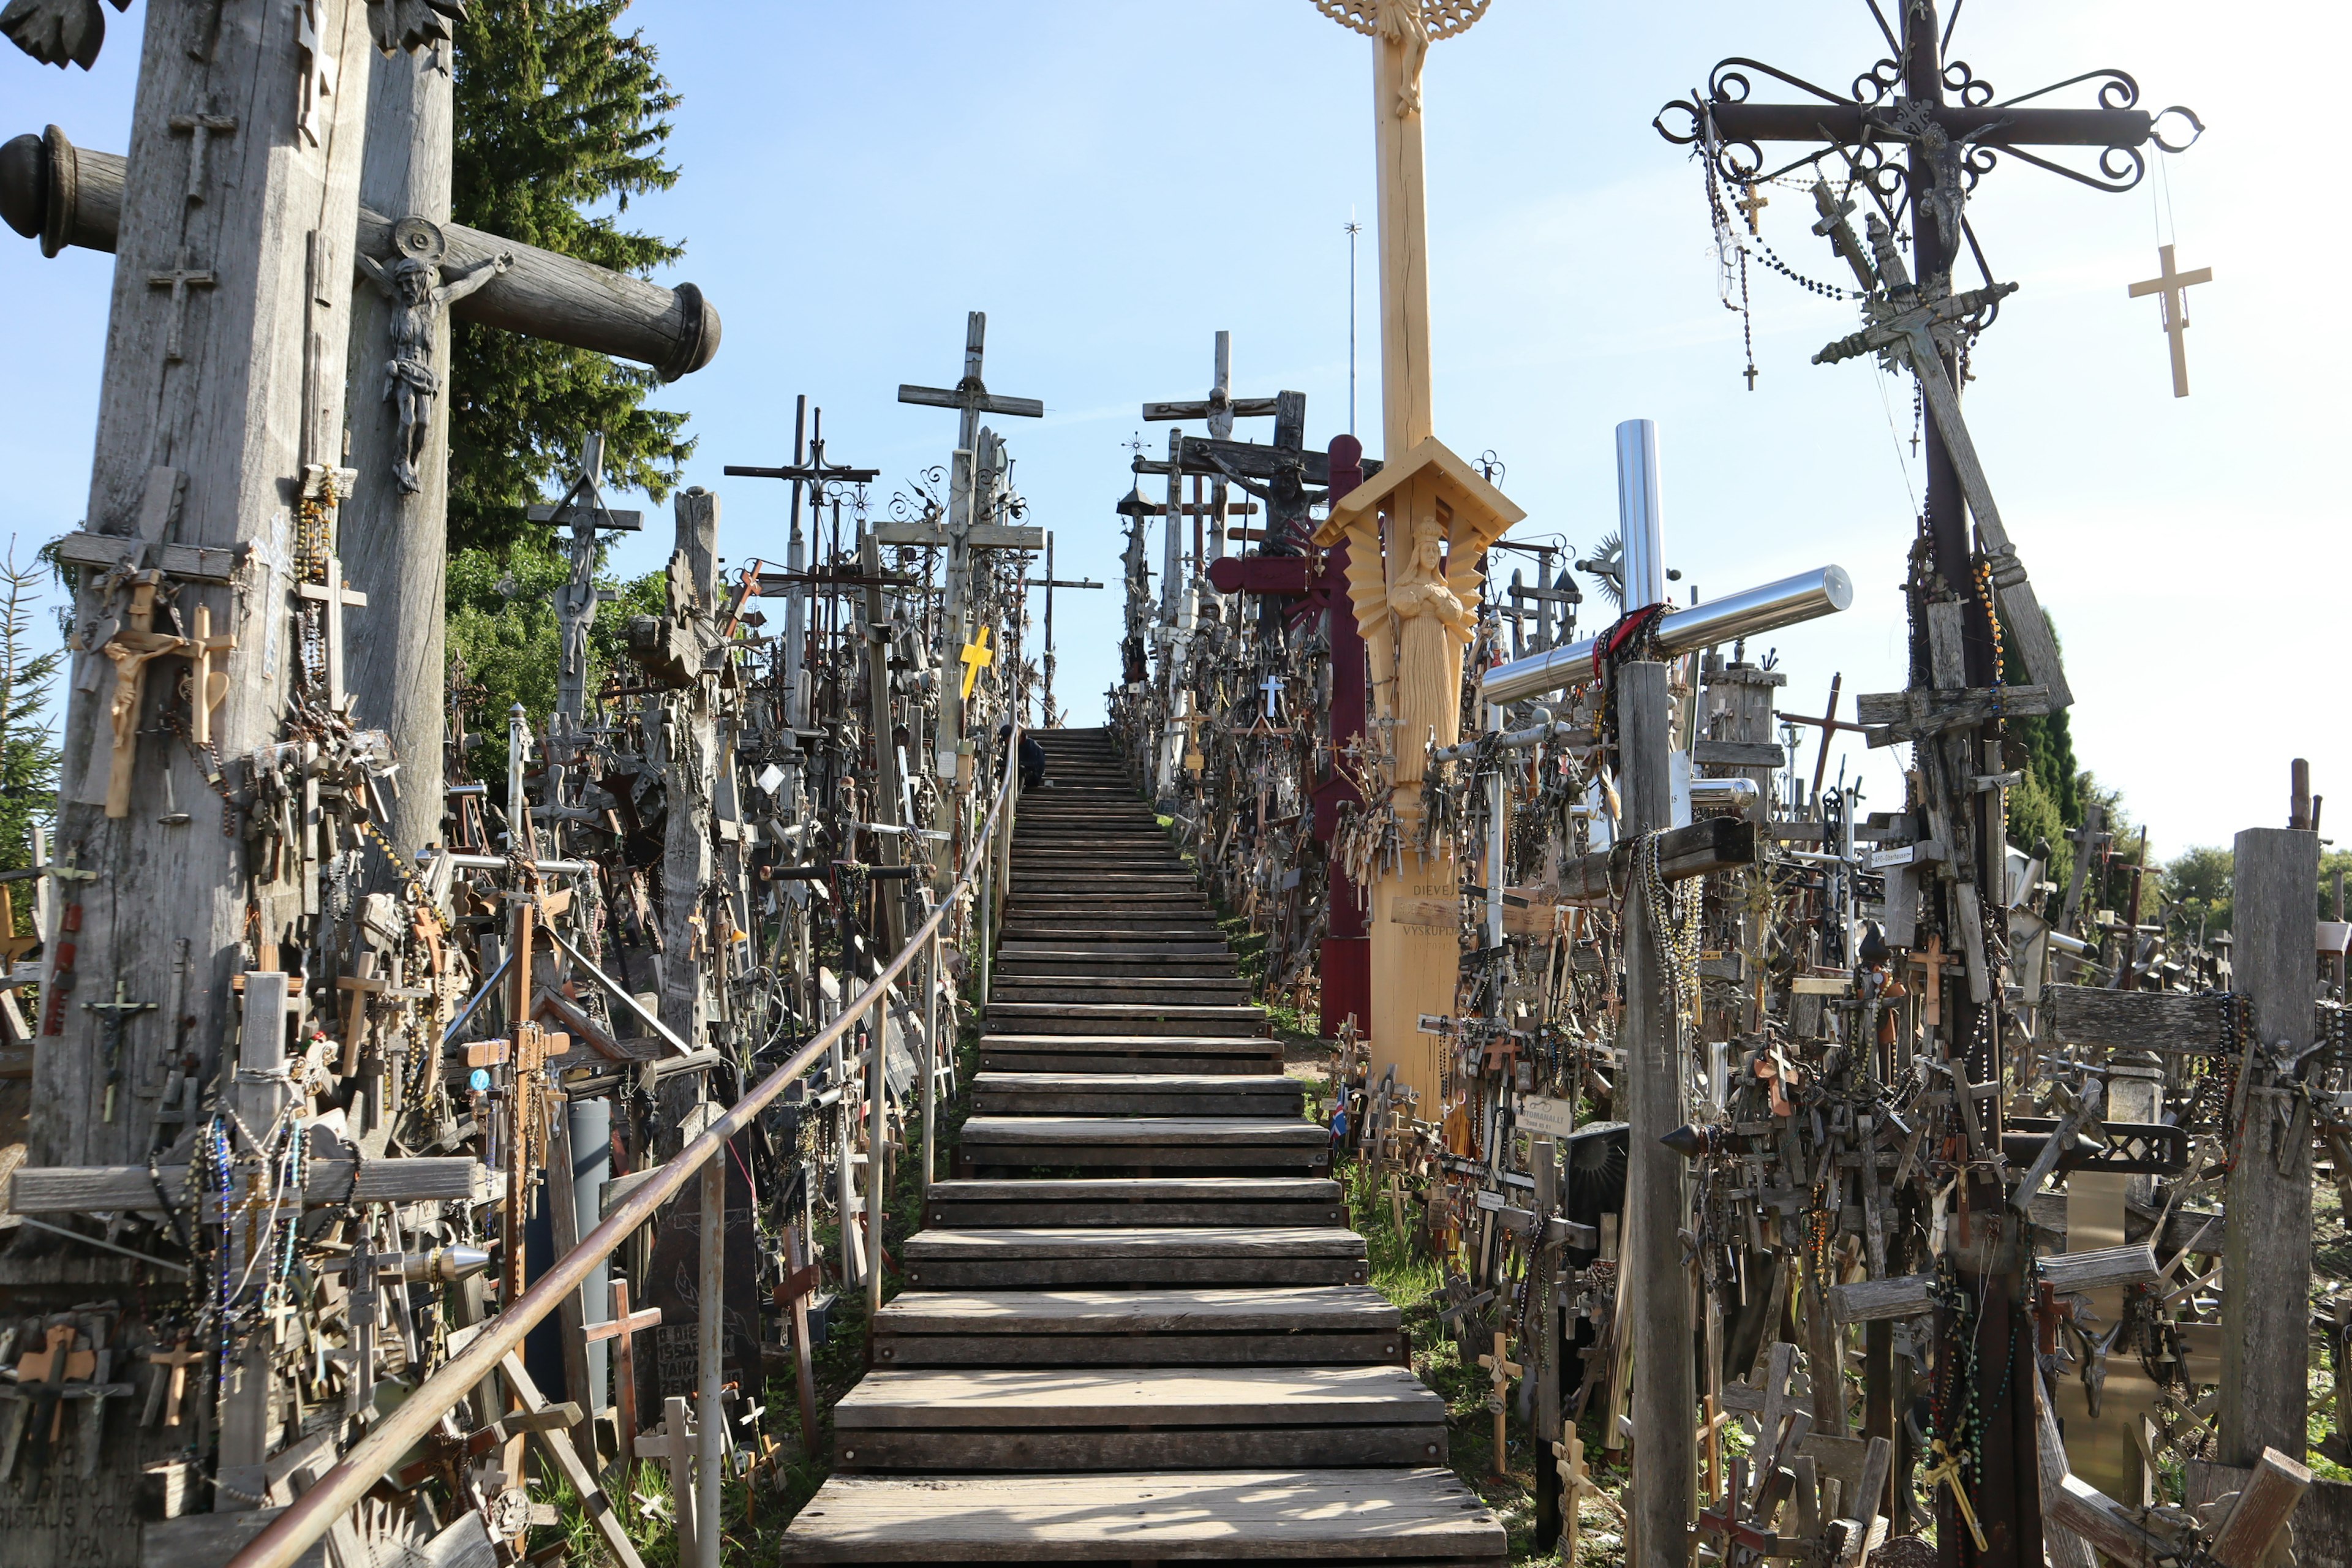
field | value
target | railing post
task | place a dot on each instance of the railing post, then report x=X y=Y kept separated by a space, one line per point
x=931 y=1061
x=985 y=919
x=711 y=1434
x=877 y=1053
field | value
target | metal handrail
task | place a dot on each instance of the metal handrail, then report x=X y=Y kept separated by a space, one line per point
x=284 y=1540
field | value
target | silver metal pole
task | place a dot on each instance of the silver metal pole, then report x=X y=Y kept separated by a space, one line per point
x=1640 y=522
x=1497 y=838
x=1807 y=596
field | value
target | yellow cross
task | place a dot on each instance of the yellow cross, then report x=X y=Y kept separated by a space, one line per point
x=1947 y=1471
x=976 y=657
x=1751 y=204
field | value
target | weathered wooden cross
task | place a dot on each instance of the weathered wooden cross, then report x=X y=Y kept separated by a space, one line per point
x=1500 y=1371
x=623 y=1327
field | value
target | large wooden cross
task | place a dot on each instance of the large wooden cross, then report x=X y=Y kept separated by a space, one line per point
x=972 y=467
x=1427 y=510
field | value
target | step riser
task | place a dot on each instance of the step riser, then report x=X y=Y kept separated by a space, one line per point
x=1033 y=1062
x=1099 y=1158
x=1010 y=989
x=1016 y=1103
x=1167 y=1028
x=1042 y=1274
x=1140 y=1350
x=982 y=1216
x=1171 y=1449
x=1030 y=1024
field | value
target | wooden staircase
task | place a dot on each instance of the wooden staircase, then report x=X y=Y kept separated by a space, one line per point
x=1136 y=1328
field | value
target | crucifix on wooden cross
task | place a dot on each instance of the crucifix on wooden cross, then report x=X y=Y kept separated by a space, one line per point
x=1500 y=1369
x=581 y=509
x=1754 y=201
x=2172 y=288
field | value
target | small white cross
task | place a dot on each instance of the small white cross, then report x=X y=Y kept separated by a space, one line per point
x=317 y=68
x=1271 y=687
x=270 y=550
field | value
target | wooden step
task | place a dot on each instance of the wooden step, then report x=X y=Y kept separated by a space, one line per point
x=1402 y=1519
x=1135 y=1094
x=1136 y=1200
x=1142 y=1144
x=1301 y=1325
x=1014 y=1257
x=1091 y=895
x=1112 y=914
x=1162 y=1418
x=1208 y=1018
x=1219 y=1055
x=1113 y=958
x=1164 y=988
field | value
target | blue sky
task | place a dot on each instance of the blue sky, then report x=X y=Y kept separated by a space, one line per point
x=1114 y=183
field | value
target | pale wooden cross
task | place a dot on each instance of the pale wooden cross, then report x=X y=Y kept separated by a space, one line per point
x=201 y=130
x=676 y=1446
x=1933 y=963
x=1576 y=1484
x=207 y=687
x=625 y=1327
x=58 y=1362
x=976 y=656
x=1500 y=1371
x=338 y=597
x=1271 y=687
x=1754 y=201
x=2173 y=289
x=317 y=68
x=179 y=281
x=175 y=1387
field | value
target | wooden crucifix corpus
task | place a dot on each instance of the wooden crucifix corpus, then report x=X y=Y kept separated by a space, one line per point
x=2172 y=289
x=131 y=650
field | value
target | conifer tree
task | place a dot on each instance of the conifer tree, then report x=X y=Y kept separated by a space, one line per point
x=560 y=118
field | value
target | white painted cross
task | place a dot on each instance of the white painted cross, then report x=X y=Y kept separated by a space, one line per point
x=675 y=1444
x=2173 y=287
x=271 y=551
x=1271 y=687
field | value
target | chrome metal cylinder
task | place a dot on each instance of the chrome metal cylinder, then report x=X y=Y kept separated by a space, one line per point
x=1639 y=520
x=1807 y=596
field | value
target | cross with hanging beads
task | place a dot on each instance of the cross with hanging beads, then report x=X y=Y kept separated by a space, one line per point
x=1754 y=201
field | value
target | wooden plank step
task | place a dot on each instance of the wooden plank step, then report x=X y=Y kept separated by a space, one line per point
x=1168 y=988
x=1135 y=1094
x=1339 y=1325
x=1024 y=1257
x=1136 y=1200
x=1171 y=1417
x=1145 y=1145
x=1165 y=943
x=1403 y=1518
x=1115 y=958
x=1126 y=1019
x=1157 y=917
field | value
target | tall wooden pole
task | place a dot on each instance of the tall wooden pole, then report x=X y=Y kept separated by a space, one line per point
x=2266 y=1242
x=396 y=542
x=1665 y=1453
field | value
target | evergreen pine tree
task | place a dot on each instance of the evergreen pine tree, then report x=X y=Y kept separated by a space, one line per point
x=557 y=117
x=560 y=119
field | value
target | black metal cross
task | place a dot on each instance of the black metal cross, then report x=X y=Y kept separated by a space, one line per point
x=1953 y=129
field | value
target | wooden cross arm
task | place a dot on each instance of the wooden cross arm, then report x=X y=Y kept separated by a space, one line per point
x=1201 y=408
x=635 y=1324
x=1715 y=843
x=73 y=1189
x=986 y=402
x=1895 y=716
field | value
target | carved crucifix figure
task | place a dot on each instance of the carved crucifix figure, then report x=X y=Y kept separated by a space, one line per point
x=413 y=284
x=131 y=650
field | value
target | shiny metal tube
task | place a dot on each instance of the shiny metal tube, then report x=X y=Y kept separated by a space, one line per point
x=1639 y=520
x=1807 y=596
